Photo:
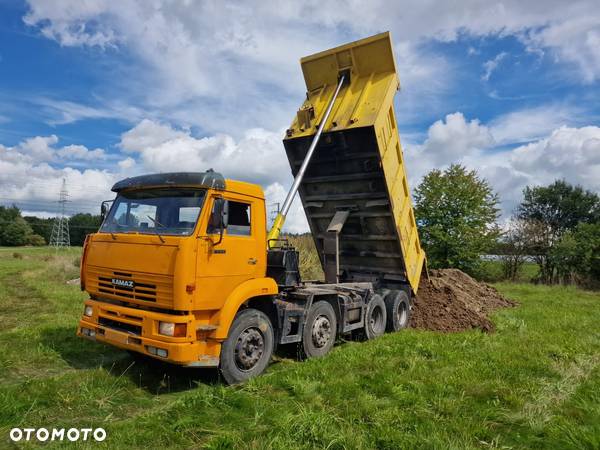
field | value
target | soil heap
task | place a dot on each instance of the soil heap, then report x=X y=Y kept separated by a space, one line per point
x=453 y=301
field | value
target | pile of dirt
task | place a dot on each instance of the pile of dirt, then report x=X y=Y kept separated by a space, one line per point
x=453 y=301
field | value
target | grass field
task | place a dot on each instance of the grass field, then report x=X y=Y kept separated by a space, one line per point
x=535 y=383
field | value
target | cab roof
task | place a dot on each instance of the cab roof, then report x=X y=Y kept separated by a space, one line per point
x=209 y=179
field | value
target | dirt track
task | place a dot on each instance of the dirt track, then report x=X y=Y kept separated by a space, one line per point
x=453 y=301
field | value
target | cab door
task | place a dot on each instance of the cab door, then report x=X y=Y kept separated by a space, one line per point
x=226 y=264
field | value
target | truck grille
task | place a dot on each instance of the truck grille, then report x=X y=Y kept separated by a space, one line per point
x=139 y=291
x=134 y=287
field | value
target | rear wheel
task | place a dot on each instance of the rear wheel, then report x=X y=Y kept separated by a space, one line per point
x=398 y=310
x=375 y=317
x=247 y=351
x=320 y=330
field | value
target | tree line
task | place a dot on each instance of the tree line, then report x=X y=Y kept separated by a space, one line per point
x=16 y=230
x=557 y=227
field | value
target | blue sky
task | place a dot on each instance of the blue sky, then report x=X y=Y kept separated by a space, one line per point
x=99 y=90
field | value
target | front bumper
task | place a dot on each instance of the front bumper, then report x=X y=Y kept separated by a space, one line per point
x=137 y=330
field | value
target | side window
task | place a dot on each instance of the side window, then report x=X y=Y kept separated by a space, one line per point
x=239 y=219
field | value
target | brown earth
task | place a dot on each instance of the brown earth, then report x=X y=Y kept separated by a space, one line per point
x=453 y=301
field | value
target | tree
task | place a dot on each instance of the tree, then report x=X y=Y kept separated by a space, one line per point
x=513 y=248
x=456 y=214
x=576 y=255
x=15 y=233
x=42 y=227
x=8 y=214
x=81 y=225
x=560 y=206
x=553 y=210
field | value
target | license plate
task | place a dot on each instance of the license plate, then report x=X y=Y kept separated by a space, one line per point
x=115 y=336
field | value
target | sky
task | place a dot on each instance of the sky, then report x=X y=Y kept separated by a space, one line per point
x=95 y=91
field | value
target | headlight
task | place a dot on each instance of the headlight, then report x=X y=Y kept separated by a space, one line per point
x=88 y=311
x=172 y=329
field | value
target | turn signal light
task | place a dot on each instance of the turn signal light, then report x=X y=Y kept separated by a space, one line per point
x=172 y=329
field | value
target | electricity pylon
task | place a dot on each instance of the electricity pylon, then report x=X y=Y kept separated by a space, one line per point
x=60 y=231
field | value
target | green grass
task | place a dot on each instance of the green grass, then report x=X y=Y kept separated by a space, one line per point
x=534 y=383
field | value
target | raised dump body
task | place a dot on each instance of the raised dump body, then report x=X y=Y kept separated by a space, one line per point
x=357 y=169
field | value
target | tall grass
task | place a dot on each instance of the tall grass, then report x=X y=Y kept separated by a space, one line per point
x=310 y=265
x=534 y=383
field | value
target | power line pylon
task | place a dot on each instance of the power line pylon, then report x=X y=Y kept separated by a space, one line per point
x=60 y=231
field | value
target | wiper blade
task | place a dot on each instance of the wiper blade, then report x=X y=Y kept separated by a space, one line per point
x=156 y=222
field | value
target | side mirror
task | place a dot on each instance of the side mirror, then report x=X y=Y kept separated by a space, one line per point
x=219 y=217
x=104 y=208
x=216 y=216
x=225 y=214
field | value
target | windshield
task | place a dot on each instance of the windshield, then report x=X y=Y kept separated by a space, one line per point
x=155 y=211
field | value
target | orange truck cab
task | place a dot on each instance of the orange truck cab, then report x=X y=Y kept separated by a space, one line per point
x=182 y=268
x=182 y=275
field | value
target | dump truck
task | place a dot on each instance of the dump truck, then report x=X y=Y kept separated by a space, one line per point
x=184 y=270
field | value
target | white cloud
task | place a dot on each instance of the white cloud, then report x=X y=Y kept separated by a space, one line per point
x=181 y=38
x=231 y=71
x=27 y=178
x=81 y=152
x=258 y=156
x=38 y=148
x=576 y=41
x=569 y=153
x=225 y=67
x=127 y=163
x=60 y=112
x=147 y=134
x=534 y=123
x=451 y=140
x=31 y=176
x=491 y=65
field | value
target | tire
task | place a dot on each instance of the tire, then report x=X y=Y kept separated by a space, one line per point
x=320 y=330
x=375 y=317
x=397 y=308
x=248 y=348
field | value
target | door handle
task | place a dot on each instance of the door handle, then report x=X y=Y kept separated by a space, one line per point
x=251 y=260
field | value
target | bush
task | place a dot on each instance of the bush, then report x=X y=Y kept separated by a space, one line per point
x=36 y=240
x=576 y=255
x=15 y=233
x=17 y=255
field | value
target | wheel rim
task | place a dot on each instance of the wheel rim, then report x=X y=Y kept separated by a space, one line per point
x=402 y=314
x=321 y=331
x=249 y=348
x=377 y=319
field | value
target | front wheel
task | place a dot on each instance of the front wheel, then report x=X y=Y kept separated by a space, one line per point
x=248 y=349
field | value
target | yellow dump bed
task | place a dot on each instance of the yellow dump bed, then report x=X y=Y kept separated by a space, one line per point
x=357 y=167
